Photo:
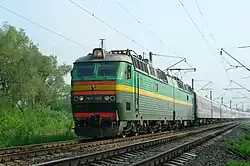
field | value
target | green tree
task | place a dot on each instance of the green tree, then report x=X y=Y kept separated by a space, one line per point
x=29 y=77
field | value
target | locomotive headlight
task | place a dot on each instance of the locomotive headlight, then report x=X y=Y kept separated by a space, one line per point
x=76 y=98
x=112 y=98
x=106 y=98
x=80 y=98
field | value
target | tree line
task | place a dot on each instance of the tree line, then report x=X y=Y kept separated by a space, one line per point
x=28 y=78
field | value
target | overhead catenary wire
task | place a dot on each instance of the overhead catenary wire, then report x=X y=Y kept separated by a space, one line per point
x=142 y=24
x=206 y=24
x=43 y=27
x=190 y=17
x=108 y=25
x=149 y=31
x=223 y=64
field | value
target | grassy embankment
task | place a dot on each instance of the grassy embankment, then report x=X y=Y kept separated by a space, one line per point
x=34 y=126
x=242 y=148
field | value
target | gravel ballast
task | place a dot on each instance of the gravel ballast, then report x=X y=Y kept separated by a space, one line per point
x=215 y=152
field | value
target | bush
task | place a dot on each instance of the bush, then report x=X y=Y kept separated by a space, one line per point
x=34 y=126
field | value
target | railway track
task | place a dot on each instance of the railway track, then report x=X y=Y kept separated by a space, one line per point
x=25 y=155
x=14 y=155
x=7 y=154
x=150 y=152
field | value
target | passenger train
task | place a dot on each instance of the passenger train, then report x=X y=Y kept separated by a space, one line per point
x=118 y=93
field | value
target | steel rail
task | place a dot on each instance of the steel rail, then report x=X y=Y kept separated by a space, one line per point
x=174 y=152
x=16 y=149
x=36 y=150
x=88 y=158
x=22 y=152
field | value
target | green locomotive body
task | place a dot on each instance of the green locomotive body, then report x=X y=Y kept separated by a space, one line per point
x=119 y=93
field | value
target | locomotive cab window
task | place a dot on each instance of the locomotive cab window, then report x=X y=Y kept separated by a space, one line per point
x=107 y=69
x=85 y=69
x=128 y=72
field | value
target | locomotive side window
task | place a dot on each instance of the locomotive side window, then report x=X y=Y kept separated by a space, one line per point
x=128 y=72
x=155 y=86
x=128 y=106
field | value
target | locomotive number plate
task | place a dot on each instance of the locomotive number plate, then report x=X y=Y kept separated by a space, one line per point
x=89 y=98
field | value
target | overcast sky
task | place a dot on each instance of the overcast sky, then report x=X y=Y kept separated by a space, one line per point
x=175 y=34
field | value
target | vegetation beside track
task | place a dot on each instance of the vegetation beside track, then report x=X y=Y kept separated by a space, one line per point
x=241 y=147
x=34 y=126
x=237 y=163
x=34 y=97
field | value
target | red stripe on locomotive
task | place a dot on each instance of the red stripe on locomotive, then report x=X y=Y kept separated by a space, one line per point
x=109 y=82
x=87 y=114
x=94 y=93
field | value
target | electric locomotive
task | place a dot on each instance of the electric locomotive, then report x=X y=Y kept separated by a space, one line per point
x=120 y=93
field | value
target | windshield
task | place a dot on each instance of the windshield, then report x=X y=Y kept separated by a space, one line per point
x=107 y=69
x=85 y=69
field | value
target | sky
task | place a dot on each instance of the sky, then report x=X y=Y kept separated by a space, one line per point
x=171 y=32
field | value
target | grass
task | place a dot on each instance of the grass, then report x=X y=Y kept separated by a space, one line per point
x=240 y=147
x=34 y=126
x=237 y=163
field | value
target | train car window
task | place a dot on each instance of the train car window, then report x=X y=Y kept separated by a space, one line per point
x=128 y=72
x=187 y=97
x=128 y=106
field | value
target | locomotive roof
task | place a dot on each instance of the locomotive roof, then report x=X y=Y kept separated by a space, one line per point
x=108 y=57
